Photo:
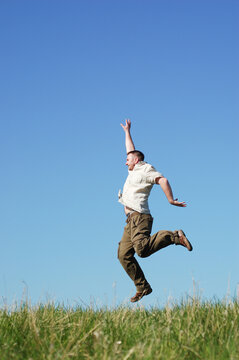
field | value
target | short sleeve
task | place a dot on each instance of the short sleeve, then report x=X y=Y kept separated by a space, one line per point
x=152 y=174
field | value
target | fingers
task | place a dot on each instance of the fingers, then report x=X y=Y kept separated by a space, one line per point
x=182 y=204
x=178 y=203
x=127 y=124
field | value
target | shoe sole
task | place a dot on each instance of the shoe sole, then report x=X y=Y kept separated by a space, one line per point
x=144 y=293
x=187 y=243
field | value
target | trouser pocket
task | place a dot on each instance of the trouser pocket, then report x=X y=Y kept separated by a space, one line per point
x=118 y=251
x=140 y=233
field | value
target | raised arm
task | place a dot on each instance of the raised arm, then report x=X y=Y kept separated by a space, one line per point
x=128 y=139
x=163 y=182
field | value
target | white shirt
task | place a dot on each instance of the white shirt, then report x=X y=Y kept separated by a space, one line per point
x=137 y=187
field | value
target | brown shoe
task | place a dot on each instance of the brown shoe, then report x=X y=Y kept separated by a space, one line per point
x=182 y=240
x=139 y=295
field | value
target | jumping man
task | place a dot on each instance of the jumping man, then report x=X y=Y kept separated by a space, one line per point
x=136 y=237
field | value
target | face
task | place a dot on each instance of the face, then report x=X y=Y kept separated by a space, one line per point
x=131 y=161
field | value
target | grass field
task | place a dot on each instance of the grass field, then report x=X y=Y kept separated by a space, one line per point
x=189 y=330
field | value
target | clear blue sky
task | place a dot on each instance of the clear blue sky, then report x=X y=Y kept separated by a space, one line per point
x=70 y=72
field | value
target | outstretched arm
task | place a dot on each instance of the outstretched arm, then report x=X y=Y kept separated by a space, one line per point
x=128 y=139
x=163 y=182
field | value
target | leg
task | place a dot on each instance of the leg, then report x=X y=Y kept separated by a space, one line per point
x=126 y=257
x=144 y=244
x=160 y=240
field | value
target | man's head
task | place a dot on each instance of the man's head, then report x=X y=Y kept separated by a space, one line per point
x=133 y=157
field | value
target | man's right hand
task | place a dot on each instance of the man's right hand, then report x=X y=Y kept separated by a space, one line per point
x=129 y=145
x=127 y=125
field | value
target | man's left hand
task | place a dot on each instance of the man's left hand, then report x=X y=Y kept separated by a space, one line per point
x=178 y=203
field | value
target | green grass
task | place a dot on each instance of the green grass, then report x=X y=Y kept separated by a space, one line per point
x=190 y=330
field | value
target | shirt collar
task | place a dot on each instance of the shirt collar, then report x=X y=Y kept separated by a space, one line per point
x=138 y=166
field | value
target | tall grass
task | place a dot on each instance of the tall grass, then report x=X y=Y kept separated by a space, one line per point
x=190 y=330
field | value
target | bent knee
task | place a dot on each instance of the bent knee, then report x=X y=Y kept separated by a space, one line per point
x=141 y=247
x=141 y=250
x=141 y=253
x=124 y=257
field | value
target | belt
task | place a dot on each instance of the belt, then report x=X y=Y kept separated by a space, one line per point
x=133 y=213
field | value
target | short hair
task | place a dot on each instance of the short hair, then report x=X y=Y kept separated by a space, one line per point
x=137 y=153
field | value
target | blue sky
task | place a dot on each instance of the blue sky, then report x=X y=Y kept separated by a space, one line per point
x=71 y=72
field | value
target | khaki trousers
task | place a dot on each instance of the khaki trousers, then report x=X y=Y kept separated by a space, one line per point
x=136 y=239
